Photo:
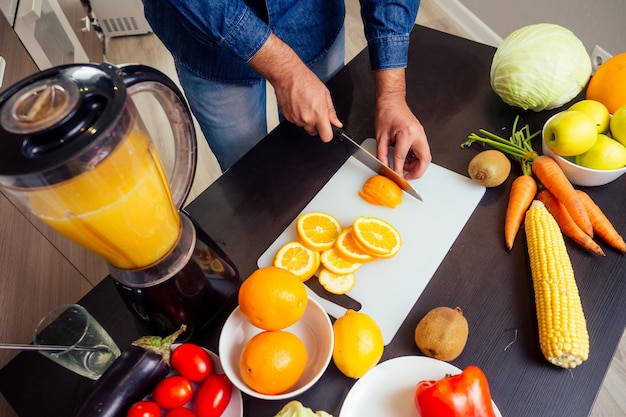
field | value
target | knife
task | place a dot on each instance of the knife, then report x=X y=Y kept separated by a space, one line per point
x=373 y=163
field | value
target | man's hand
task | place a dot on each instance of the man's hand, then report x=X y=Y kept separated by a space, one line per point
x=302 y=97
x=397 y=125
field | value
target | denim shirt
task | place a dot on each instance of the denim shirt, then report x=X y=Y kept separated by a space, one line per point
x=216 y=38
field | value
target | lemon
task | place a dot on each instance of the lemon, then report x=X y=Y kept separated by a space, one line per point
x=358 y=344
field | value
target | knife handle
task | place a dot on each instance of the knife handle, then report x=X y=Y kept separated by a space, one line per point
x=337 y=132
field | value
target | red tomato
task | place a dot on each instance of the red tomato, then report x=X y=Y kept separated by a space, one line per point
x=192 y=362
x=173 y=391
x=144 y=409
x=180 y=412
x=213 y=396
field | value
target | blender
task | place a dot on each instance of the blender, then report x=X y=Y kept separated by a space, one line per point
x=75 y=153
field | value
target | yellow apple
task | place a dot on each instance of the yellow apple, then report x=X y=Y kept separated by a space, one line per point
x=618 y=125
x=570 y=133
x=597 y=111
x=607 y=153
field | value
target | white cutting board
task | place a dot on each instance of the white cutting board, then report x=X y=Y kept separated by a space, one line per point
x=387 y=289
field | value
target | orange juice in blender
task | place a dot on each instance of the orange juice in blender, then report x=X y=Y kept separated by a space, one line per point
x=75 y=153
x=121 y=210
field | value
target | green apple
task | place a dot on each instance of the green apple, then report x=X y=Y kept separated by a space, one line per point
x=597 y=111
x=570 y=133
x=607 y=153
x=618 y=125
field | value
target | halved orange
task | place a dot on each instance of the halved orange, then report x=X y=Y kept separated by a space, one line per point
x=295 y=257
x=377 y=236
x=317 y=231
x=348 y=248
x=381 y=190
x=332 y=260
x=335 y=283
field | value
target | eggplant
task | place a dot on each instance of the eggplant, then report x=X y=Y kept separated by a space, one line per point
x=130 y=378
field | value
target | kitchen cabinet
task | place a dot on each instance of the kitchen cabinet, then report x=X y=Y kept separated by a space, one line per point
x=19 y=64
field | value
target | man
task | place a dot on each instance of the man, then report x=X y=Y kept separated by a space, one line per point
x=224 y=51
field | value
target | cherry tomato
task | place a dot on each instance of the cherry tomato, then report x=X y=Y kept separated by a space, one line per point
x=144 y=409
x=192 y=362
x=173 y=391
x=180 y=412
x=213 y=396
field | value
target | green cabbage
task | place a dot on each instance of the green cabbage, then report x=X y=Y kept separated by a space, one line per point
x=540 y=67
x=296 y=409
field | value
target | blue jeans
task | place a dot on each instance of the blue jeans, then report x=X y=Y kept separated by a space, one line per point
x=232 y=117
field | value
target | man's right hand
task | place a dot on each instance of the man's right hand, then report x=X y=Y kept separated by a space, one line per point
x=302 y=97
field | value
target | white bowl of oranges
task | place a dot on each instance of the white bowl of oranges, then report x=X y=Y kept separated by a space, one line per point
x=278 y=342
x=587 y=157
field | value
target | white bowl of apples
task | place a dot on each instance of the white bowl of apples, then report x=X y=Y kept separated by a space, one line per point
x=587 y=142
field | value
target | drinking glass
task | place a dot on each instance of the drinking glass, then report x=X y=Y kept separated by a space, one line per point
x=77 y=341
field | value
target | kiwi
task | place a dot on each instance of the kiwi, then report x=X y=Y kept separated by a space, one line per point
x=489 y=168
x=442 y=333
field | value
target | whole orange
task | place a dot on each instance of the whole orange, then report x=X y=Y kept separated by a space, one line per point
x=608 y=84
x=272 y=298
x=273 y=361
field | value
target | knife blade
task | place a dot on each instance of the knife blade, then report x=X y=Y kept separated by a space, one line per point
x=370 y=161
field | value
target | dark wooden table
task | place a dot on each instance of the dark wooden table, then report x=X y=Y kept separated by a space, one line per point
x=247 y=208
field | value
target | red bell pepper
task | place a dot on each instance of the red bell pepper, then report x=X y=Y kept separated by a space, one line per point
x=463 y=395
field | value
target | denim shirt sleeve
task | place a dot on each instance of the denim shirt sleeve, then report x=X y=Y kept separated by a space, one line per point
x=388 y=25
x=227 y=23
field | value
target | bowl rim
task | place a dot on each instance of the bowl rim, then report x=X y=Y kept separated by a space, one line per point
x=233 y=374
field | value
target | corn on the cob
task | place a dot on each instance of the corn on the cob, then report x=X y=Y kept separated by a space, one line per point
x=563 y=336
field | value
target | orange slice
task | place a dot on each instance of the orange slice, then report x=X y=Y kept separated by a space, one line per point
x=335 y=283
x=349 y=249
x=298 y=259
x=332 y=260
x=317 y=231
x=377 y=236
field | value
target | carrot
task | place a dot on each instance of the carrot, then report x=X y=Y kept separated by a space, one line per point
x=552 y=177
x=566 y=222
x=601 y=224
x=523 y=191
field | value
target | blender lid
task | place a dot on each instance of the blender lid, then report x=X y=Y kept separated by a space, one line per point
x=55 y=117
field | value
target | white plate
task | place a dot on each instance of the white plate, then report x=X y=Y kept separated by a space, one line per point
x=235 y=406
x=387 y=390
x=314 y=329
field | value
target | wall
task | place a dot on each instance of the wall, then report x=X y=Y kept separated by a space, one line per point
x=598 y=22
